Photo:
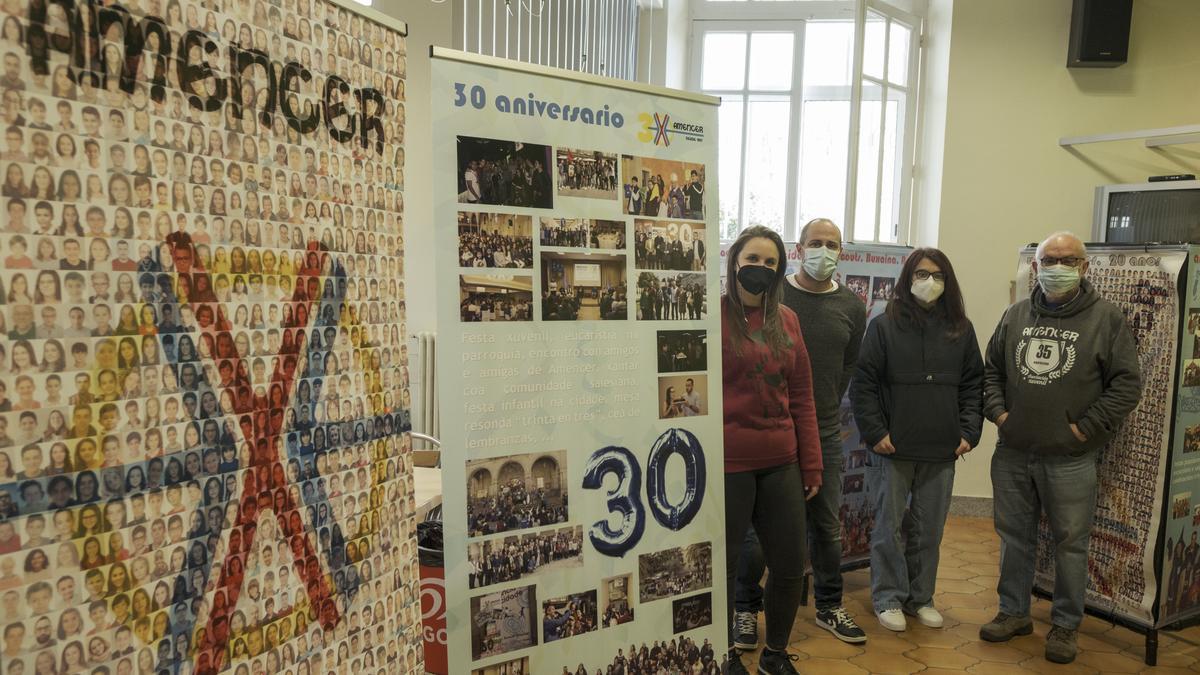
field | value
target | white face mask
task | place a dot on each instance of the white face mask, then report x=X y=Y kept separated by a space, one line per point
x=820 y=263
x=928 y=290
x=1058 y=279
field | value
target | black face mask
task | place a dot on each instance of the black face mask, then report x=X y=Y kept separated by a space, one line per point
x=756 y=279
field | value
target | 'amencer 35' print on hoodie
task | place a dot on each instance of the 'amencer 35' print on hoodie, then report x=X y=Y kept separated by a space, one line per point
x=1052 y=366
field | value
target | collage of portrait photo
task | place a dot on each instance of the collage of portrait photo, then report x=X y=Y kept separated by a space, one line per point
x=203 y=381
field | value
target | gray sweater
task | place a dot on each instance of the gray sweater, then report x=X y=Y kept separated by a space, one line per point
x=832 y=325
x=1050 y=367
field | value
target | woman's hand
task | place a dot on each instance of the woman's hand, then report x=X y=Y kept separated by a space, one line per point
x=963 y=447
x=811 y=491
x=1001 y=419
x=885 y=446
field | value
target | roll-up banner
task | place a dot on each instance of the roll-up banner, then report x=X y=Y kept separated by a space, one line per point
x=1181 y=552
x=1122 y=574
x=204 y=462
x=583 y=459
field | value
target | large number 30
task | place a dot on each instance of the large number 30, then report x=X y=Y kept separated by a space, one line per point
x=624 y=499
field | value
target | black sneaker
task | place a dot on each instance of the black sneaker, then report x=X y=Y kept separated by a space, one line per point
x=777 y=663
x=733 y=664
x=837 y=621
x=745 y=630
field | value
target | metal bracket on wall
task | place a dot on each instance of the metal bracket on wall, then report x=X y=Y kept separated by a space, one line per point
x=1181 y=139
x=1154 y=137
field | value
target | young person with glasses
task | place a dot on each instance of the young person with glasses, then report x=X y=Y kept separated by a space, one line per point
x=772 y=443
x=917 y=402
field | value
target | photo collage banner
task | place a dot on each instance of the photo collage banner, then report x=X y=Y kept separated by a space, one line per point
x=578 y=268
x=1180 y=580
x=204 y=464
x=1122 y=573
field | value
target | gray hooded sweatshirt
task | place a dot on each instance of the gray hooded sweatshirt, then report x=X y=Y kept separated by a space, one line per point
x=1049 y=367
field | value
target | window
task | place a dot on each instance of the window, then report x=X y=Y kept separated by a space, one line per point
x=788 y=92
x=884 y=148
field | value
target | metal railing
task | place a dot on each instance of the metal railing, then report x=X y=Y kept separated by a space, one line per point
x=588 y=36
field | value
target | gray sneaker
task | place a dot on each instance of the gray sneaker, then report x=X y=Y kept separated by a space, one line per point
x=1004 y=627
x=1060 y=645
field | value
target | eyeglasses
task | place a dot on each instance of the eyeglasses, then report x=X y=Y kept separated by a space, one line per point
x=926 y=274
x=1069 y=261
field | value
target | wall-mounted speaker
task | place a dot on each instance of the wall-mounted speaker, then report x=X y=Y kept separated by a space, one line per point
x=1099 y=33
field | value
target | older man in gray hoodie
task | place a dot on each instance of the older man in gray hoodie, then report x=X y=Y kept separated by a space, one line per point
x=1061 y=376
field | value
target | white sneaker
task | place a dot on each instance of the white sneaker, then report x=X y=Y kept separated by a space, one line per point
x=930 y=617
x=893 y=619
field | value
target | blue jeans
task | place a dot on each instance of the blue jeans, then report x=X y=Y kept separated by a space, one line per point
x=911 y=502
x=823 y=515
x=1065 y=486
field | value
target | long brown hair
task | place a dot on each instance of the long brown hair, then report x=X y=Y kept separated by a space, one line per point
x=904 y=309
x=737 y=326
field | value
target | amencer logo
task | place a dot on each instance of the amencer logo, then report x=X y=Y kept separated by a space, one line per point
x=659 y=129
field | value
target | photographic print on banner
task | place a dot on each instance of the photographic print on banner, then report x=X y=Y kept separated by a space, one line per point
x=661 y=188
x=203 y=382
x=504 y=173
x=586 y=173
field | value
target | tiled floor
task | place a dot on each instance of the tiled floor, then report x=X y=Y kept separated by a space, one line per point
x=967 y=598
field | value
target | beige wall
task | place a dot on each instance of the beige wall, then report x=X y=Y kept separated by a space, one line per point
x=1005 y=181
x=429 y=23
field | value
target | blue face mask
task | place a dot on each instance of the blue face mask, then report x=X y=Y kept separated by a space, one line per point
x=1058 y=279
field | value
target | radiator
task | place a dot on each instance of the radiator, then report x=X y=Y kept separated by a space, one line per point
x=423 y=383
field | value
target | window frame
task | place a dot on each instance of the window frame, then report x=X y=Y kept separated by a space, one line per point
x=771 y=10
x=793 y=16
x=907 y=151
x=792 y=94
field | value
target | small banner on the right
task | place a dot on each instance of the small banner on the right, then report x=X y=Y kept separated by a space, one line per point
x=1123 y=577
x=1181 y=553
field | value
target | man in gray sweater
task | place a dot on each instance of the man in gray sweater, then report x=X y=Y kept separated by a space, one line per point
x=832 y=321
x=1061 y=376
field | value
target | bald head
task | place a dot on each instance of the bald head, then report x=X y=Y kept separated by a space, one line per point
x=1061 y=245
x=821 y=229
x=1061 y=264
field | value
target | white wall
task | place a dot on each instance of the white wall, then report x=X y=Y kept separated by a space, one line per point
x=931 y=116
x=1005 y=181
x=664 y=42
